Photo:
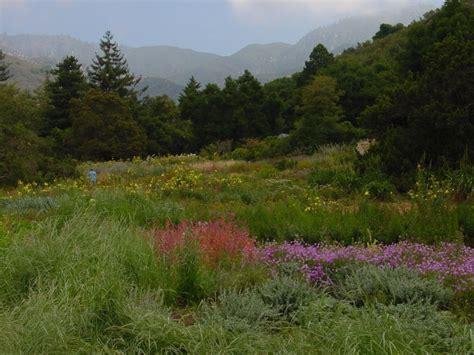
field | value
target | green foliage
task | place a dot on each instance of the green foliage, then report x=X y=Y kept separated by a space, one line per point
x=242 y=310
x=285 y=164
x=387 y=29
x=166 y=131
x=321 y=123
x=4 y=73
x=68 y=84
x=346 y=180
x=103 y=128
x=269 y=147
x=363 y=284
x=25 y=156
x=109 y=71
x=189 y=276
x=41 y=204
x=379 y=189
x=286 y=295
x=319 y=59
x=428 y=114
x=462 y=181
x=465 y=214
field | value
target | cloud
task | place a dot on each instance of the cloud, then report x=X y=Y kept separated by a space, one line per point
x=268 y=10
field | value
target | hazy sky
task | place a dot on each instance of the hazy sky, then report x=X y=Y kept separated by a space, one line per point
x=219 y=26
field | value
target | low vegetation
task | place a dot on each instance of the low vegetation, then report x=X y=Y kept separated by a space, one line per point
x=186 y=254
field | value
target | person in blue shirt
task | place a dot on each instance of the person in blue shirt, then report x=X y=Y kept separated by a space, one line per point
x=92 y=176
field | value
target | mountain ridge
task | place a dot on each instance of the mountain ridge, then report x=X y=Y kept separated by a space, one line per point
x=169 y=64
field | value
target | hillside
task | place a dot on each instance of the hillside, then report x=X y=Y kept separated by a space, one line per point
x=24 y=73
x=265 y=61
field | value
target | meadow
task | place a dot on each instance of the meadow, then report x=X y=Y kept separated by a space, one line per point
x=184 y=254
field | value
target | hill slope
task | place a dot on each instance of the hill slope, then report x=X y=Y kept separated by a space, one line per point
x=267 y=61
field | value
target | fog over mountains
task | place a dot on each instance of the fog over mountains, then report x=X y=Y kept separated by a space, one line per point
x=166 y=69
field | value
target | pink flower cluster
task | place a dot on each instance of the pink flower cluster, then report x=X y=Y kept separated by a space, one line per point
x=214 y=241
x=452 y=264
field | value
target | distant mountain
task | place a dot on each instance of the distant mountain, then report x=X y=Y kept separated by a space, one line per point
x=47 y=50
x=25 y=74
x=167 y=69
x=159 y=86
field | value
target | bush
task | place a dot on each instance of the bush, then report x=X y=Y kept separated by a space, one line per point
x=38 y=203
x=286 y=294
x=363 y=284
x=379 y=189
x=462 y=181
x=465 y=214
x=245 y=310
x=213 y=242
x=285 y=164
x=269 y=147
x=346 y=180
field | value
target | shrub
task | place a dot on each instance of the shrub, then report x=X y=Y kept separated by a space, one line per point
x=380 y=190
x=286 y=294
x=38 y=203
x=363 y=284
x=465 y=214
x=346 y=180
x=215 y=242
x=190 y=281
x=245 y=310
x=462 y=181
x=285 y=164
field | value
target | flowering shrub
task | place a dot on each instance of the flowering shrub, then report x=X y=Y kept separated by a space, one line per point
x=451 y=264
x=181 y=178
x=215 y=241
x=430 y=189
x=229 y=181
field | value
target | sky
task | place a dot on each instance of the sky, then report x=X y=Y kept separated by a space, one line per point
x=217 y=26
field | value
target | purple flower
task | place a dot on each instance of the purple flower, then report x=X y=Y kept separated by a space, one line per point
x=452 y=264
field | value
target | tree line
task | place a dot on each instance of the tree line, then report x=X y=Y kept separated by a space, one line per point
x=409 y=88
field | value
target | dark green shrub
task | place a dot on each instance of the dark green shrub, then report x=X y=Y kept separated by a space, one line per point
x=285 y=164
x=465 y=215
x=462 y=181
x=189 y=276
x=379 y=189
x=346 y=180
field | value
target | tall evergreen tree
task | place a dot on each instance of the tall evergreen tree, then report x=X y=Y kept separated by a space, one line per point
x=252 y=97
x=109 y=71
x=68 y=83
x=387 y=29
x=319 y=58
x=430 y=115
x=4 y=73
x=103 y=127
x=322 y=116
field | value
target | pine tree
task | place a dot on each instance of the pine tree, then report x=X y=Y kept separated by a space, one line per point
x=69 y=83
x=252 y=97
x=103 y=127
x=189 y=100
x=109 y=71
x=4 y=73
x=318 y=59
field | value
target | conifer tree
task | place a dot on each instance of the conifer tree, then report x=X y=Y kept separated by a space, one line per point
x=319 y=58
x=189 y=100
x=4 y=73
x=69 y=83
x=109 y=71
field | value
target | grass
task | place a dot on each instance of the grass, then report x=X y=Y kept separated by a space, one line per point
x=80 y=274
